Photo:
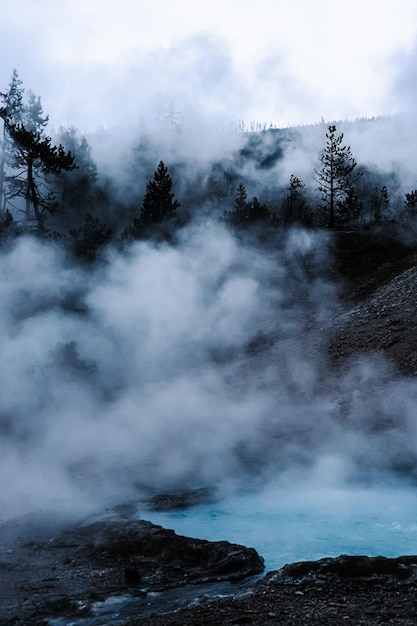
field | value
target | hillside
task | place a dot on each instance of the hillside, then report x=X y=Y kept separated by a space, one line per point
x=380 y=291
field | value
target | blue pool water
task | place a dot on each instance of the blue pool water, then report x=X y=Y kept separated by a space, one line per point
x=284 y=525
x=306 y=524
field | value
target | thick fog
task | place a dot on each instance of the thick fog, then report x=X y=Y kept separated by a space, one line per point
x=174 y=368
x=200 y=364
x=102 y=64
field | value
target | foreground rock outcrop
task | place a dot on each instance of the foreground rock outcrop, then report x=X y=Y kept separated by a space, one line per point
x=50 y=571
x=347 y=590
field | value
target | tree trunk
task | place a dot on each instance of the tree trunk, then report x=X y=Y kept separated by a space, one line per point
x=2 y=168
x=32 y=198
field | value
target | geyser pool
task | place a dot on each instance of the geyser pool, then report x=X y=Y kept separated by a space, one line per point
x=285 y=526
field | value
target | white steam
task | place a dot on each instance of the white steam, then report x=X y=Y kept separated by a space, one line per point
x=174 y=368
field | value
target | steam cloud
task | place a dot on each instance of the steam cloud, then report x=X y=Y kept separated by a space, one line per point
x=173 y=368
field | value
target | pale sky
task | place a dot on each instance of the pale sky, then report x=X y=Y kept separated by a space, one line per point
x=99 y=63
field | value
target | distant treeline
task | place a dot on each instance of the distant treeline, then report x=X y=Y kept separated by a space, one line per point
x=51 y=187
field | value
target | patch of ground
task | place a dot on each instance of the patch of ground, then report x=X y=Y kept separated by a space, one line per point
x=330 y=592
x=50 y=568
x=379 y=300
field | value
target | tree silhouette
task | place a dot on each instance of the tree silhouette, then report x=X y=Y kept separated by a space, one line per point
x=380 y=204
x=335 y=178
x=238 y=216
x=8 y=229
x=37 y=158
x=77 y=187
x=295 y=205
x=159 y=208
x=258 y=212
x=246 y=213
x=410 y=205
x=87 y=239
x=12 y=104
x=33 y=116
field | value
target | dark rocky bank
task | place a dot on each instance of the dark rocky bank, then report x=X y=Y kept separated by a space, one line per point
x=330 y=592
x=49 y=570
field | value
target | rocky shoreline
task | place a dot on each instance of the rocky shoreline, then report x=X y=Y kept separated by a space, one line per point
x=55 y=573
x=346 y=590
x=49 y=570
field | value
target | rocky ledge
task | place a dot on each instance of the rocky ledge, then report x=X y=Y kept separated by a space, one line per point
x=50 y=571
x=345 y=590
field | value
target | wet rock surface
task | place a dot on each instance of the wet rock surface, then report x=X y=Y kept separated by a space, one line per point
x=182 y=500
x=53 y=569
x=49 y=570
x=330 y=592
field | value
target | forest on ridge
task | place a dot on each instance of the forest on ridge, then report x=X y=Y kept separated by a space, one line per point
x=52 y=187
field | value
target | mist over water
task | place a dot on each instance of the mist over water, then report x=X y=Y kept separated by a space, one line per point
x=169 y=369
x=307 y=521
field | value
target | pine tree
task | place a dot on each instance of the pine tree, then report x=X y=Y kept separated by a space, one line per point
x=258 y=212
x=336 y=176
x=87 y=239
x=159 y=209
x=37 y=158
x=241 y=208
x=12 y=104
x=8 y=228
x=79 y=186
x=240 y=204
x=295 y=205
x=246 y=214
x=381 y=204
x=33 y=116
x=410 y=205
x=350 y=208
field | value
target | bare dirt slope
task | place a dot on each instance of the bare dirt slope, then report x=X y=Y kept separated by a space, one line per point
x=380 y=299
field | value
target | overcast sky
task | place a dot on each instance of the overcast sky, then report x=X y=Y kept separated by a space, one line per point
x=98 y=62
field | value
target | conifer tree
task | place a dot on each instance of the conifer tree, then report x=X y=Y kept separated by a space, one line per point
x=258 y=211
x=410 y=205
x=381 y=204
x=79 y=186
x=295 y=205
x=8 y=228
x=241 y=207
x=246 y=213
x=240 y=204
x=37 y=158
x=336 y=176
x=12 y=104
x=89 y=237
x=33 y=116
x=159 y=208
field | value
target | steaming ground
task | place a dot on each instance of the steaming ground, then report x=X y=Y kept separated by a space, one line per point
x=174 y=368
